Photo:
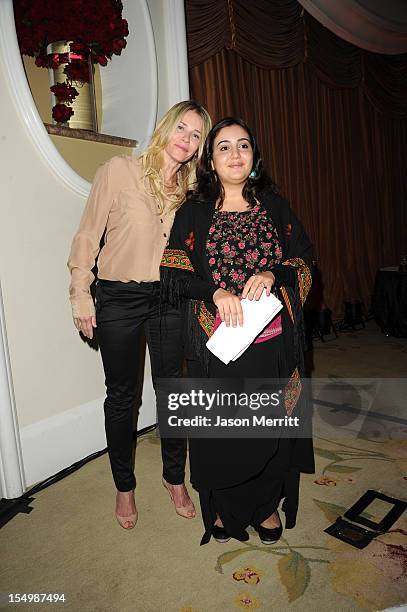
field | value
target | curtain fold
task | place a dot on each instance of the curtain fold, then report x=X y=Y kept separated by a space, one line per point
x=337 y=62
x=268 y=34
x=385 y=83
x=207 y=29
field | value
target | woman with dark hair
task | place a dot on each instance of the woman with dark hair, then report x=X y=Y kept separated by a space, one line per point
x=235 y=237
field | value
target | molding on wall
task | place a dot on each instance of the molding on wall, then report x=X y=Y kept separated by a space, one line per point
x=72 y=435
x=11 y=463
x=90 y=136
x=63 y=439
x=176 y=46
x=27 y=110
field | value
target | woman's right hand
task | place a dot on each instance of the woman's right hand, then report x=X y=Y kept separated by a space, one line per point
x=229 y=306
x=85 y=325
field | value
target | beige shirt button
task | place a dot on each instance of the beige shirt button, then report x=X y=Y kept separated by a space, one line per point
x=165 y=235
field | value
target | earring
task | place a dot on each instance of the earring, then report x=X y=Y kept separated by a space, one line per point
x=253 y=174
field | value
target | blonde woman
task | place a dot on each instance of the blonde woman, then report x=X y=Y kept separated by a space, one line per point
x=132 y=205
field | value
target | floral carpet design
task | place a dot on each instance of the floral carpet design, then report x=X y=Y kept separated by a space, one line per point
x=373 y=578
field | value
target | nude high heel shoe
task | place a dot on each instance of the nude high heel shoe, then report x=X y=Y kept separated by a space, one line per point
x=187 y=511
x=127 y=522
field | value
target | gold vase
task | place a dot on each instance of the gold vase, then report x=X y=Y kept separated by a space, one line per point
x=84 y=105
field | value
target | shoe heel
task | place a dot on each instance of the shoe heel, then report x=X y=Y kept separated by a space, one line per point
x=188 y=511
x=123 y=520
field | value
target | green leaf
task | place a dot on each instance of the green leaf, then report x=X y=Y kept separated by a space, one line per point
x=328 y=454
x=331 y=511
x=342 y=469
x=295 y=574
x=228 y=557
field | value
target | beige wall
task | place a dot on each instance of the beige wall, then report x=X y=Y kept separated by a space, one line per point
x=38 y=216
x=85 y=156
x=82 y=155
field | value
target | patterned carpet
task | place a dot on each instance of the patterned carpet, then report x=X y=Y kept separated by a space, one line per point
x=70 y=543
x=307 y=568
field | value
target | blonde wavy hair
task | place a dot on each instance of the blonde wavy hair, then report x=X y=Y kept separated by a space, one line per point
x=152 y=156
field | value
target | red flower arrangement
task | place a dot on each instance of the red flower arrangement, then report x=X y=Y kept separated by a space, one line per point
x=95 y=27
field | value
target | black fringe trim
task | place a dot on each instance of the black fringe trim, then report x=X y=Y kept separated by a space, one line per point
x=196 y=336
x=298 y=327
x=170 y=286
x=171 y=281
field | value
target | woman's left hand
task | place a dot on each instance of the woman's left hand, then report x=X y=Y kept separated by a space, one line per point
x=256 y=283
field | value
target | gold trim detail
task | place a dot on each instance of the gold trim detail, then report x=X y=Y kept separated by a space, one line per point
x=304 y=276
x=176 y=258
x=205 y=319
x=292 y=392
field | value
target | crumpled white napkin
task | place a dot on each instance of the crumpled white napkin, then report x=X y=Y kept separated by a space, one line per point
x=229 y=343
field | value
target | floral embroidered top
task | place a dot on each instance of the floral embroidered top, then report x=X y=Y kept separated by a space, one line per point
x=239 y=245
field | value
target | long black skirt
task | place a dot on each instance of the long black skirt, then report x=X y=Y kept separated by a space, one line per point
x=243 y=480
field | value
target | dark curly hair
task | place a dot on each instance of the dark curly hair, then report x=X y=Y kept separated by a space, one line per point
x=210 y=188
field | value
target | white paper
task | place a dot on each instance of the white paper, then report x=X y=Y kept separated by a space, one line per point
x=229 y=343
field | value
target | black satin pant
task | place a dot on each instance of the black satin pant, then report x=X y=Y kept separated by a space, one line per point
x=124 y=311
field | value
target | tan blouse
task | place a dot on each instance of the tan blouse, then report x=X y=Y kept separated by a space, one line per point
x=135 y=235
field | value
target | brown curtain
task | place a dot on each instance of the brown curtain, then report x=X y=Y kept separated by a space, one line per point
x=334 y=155
x=216 y=24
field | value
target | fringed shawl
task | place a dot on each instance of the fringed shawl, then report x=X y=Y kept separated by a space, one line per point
x=186 y=279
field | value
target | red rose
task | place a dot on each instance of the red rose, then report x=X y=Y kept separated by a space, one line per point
x=62 y=113
x=118 y=44
x=64 y=92
x=125 y=27
x=77 y=47
x=102 y=60
x=77 y=71
x=41 y=61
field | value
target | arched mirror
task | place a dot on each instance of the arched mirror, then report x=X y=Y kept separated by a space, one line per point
x=126 y=93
